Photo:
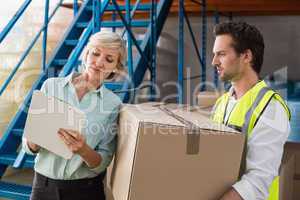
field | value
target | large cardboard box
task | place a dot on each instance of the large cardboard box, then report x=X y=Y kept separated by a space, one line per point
x=208 y=98
x=173 y=153
x=287 y=171
x=296 y=193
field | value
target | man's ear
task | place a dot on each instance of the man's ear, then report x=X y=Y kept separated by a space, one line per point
x=247 y=56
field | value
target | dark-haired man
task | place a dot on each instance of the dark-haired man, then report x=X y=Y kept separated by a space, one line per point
x=251 y=107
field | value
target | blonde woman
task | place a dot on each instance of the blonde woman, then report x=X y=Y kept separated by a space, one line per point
x=81 y=177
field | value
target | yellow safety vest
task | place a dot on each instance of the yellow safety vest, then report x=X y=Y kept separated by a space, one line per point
x=246 y=113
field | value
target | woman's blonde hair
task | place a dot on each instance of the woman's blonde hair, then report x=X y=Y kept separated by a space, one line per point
x=107 y=39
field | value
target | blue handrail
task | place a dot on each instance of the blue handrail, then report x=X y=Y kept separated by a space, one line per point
x=26 y=52
x=14 y=19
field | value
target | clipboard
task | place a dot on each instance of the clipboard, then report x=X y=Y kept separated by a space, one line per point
x=46 y=115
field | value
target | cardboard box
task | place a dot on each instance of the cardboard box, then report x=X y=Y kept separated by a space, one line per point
x=296 y=194
x=289 y=173
x=207 y=98
x=297 y=160
x=173 y=153
x=286 y=180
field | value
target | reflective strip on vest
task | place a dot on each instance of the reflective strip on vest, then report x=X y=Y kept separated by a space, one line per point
x=256 y=109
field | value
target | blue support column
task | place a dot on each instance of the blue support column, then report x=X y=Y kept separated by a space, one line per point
x=181 y=53
x=75 y=7
x=96 y=15
x=153 y=50
x=204 y=32
x=129 y=40
x=113 y=17
x=129 y=43
x=216 y=76
x=44 y=53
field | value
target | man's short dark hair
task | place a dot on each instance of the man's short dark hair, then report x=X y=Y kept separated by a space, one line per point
x=244 y=37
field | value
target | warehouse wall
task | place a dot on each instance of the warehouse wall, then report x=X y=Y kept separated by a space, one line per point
x=282 y=41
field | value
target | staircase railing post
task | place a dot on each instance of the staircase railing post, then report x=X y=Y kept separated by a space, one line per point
x=129 y=40
x=75 y=7
x=204 y=33
x=96 y=16
x=44 y=53
x=153 y=50
x=129 y=43
x=180 y=52
x=216 y=79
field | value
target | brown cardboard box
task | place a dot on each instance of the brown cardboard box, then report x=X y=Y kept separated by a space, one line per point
x=173 y=154
x=207 y=98
x=297 y=153
x=287 y=171
x=296 y=190
x=297 y=177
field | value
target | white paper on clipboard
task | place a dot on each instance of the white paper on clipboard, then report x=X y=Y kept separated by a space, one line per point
x=45 y=116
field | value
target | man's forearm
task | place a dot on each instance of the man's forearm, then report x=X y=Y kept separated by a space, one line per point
x=232 y=194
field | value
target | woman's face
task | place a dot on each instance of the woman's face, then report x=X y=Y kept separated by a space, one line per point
x=101 y=62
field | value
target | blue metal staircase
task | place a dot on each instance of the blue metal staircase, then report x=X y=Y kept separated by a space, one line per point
x=65 y=59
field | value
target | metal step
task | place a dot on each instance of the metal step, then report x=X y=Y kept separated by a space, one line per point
x=71 y=42
x=116 y=24
x=134 y=23
x=60 y=61
x=141 y=7
x=74 y=42
x=14 y=191
x=10 y=159
x=82 y=24
x=18 y=132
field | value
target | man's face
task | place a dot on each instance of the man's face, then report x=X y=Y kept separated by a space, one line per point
x=226 y=60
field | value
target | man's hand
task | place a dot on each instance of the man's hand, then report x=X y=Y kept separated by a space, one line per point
x=231 y=195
